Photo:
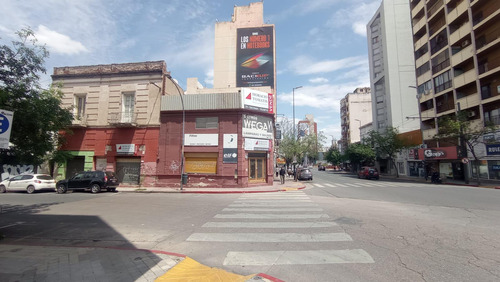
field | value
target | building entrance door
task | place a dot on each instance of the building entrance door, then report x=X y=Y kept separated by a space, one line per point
x=256 y=169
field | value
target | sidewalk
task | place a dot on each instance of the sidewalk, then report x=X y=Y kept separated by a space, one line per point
x=276 y=187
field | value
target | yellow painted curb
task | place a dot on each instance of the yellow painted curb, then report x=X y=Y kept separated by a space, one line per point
x=191 y=270
x=290 y=189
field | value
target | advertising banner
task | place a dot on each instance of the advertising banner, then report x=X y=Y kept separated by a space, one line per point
x=5 y=127
x=230 y=149
x=201 y=165
x=125 y=149
x=257 y=127
x=255 y=57
x=257 y=144
x=201 y=139
x=257 y=100
x=492 y=149
x=441 y=153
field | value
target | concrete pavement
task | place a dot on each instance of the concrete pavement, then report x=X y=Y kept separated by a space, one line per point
x=30 y=262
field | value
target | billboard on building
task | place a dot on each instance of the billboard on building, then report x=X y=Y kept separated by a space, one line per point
x=5 y=128
x=257 y=100
x=257 y=127
x=255 y=57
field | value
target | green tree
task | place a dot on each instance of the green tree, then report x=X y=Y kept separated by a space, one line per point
x=459 y=130
x=38 y=115
x=359 y=154
x=333 y=156
x=386 y=144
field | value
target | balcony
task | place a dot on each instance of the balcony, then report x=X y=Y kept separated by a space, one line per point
x=122 y=119
x=463 y=55
x=429 y=133
x=457 y=11
x=425 y=115
x=435 y=8
x=469 y=101
x=465 y=78
x=419 y=24
x=417 y=8
x=460 y=33
x=80 y=121
x=423 y=40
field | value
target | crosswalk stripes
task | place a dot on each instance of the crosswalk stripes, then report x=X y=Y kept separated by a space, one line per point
x=365 y=184
x=275 y=214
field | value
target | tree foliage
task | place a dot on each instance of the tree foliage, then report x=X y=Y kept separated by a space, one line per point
x=38 y=116
x=386 y=144
x=459 y=130
x=359 y=154
x=333 y=156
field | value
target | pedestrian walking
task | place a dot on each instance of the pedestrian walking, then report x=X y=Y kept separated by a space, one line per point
x=282 y=175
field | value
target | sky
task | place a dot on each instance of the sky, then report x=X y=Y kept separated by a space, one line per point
x=320 y=44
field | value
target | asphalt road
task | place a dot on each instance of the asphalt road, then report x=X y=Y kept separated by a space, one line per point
x=339 y=228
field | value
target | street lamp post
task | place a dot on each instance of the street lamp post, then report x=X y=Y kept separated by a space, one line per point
x=293 y=103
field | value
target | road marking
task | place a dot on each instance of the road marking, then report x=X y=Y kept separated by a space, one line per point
x=330 y=185
x=271 y=215
x=275 y=197
x=298 y=257
x=13 y=224
x=340 y=185
x=364 y=184
x=280 y=209
x=352 y=185
x=270 y=205
x=318 y=185
x=269 y=237
x=282 y=224
x=273 y=201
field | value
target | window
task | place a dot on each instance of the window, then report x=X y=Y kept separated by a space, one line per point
x=424 y=88
x=207 y=122
x=375 y=39
x=128 y=100
x=80 y=101
x=423 y=69
x=442 y=82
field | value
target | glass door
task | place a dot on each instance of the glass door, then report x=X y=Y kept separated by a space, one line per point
x=257 y=169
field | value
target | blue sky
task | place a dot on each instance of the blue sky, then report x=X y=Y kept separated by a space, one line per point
x=321 y=44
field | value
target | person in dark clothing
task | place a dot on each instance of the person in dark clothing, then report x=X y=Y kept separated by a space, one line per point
x=282 y=175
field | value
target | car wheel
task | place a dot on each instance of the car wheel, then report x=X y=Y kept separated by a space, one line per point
x=111 y=189
x=61 y=189
x=3 y=189
x=30 y=189
x=95 y=188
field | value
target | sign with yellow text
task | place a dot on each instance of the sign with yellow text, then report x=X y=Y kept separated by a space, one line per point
x=201 y=165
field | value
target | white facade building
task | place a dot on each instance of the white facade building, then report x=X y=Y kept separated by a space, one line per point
x=392 y=67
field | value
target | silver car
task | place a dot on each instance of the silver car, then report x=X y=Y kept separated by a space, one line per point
x=28 y=182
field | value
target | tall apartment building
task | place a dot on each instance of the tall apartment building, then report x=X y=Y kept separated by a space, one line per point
x=392 y=68
x=307 y=127
x=355 y=111
x=457 y=60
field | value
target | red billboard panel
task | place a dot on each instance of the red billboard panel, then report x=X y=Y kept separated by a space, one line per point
x=441 y=153
x=255 y=57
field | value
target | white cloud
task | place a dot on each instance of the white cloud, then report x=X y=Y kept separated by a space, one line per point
x=318 y=80
x=357 y=16
x=306 y=65
x=59 y=43
x=209 y=77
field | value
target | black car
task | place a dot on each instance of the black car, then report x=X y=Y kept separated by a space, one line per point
x=94 y=181
x=321 y=168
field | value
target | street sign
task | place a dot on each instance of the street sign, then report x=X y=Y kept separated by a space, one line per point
x=5 y=127
x=465 y=160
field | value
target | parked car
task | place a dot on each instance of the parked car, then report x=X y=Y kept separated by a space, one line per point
x=305 y=174
x=94 y=181
x=321 y=168
x=29 y=182
x=368 y=172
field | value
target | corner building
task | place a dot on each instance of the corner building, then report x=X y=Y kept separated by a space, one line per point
x=224 y=137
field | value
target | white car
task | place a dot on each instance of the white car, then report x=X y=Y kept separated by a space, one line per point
x=28 y=182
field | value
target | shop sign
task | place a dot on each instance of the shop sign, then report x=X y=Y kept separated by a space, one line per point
x=495 y=167
x=492 y=149
x=411 y=154
x=281 y=161
x=441 y=153
x=257 y=144
x=257 y=100
x=125 y=149
x=230 y=149
x=201 y=139
x=257 y=127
